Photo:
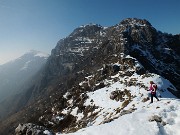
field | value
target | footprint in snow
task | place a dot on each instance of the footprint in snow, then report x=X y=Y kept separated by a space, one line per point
x=170 y=121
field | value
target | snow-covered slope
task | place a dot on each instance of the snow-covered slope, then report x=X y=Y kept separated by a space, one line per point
x=159 y=118
x=131 y=113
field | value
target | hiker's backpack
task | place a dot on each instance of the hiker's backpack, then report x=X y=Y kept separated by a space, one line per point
x=155 y=87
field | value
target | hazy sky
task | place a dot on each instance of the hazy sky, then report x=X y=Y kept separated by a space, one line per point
x=39 y=24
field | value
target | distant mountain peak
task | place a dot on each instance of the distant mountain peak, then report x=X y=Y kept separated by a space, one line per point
x=135 y=21
x=38 y=53
x=86 y=30
x=90 y=25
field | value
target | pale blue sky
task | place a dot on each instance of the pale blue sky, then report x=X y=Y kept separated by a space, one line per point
x=39 y=24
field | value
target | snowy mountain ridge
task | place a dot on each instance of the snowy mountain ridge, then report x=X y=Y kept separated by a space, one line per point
x=96 y=76
x=147 y=120
x=106 y=109
x=138 y=117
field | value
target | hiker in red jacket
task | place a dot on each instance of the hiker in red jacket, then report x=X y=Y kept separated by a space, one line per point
x=153 y=88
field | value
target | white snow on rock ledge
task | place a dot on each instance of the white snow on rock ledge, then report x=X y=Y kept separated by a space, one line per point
x=138 y=122
x=38 y=54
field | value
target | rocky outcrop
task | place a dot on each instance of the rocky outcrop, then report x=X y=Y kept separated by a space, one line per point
x=158 y=119
x=31 y=129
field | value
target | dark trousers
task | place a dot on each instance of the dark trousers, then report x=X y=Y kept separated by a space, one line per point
x=153 y=95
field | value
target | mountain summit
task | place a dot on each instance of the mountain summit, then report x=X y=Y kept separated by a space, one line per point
x=97 y=75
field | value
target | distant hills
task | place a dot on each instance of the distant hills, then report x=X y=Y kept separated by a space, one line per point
x=16 y=74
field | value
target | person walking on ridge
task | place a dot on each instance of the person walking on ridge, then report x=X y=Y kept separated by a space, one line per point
x=153 y=88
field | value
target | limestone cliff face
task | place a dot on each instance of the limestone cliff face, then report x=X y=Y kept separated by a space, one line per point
x=70 y=50
x=157 y=51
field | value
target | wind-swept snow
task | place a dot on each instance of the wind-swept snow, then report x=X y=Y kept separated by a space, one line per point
x=139 y=122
